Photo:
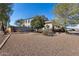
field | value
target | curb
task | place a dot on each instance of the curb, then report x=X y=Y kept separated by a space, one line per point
x=4 y=41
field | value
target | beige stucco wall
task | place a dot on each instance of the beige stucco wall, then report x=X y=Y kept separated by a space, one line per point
x=49 y=23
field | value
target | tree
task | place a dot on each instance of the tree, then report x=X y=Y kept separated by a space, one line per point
x=67 y=12
x=57 y=23
x=38 y=22
x=19 y=22
x=5 y=12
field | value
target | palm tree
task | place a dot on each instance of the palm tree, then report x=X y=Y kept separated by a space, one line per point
x=5 y=12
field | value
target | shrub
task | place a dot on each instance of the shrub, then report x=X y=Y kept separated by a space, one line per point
x=31 y=29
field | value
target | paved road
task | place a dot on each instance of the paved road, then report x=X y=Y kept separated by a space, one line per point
x=35 y=44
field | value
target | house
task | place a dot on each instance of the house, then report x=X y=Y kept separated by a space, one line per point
x=49 y=24
x=27 y=23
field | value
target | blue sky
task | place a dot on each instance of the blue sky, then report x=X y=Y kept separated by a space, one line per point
x=28 y=10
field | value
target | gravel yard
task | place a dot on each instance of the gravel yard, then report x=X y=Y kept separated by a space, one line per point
x=2 y=36
x=36 y=44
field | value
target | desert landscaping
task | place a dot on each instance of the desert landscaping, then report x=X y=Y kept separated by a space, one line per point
x=39 y=29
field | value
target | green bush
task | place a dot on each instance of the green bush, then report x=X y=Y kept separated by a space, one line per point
x=31 y=29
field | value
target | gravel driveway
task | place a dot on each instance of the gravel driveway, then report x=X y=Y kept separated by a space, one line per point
x=36 y=44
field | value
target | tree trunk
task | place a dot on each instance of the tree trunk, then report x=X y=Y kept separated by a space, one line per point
x=53 y=28
x=3 y=28
x=65 y=23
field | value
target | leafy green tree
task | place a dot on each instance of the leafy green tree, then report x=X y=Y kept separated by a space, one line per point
x=19 y=22
x=38 y=22
x=5 y=13
x=67 y=12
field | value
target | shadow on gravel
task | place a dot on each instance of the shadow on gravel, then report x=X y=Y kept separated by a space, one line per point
x=20 y=32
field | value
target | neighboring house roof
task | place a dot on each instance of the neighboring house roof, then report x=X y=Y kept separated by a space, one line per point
x=48 y=22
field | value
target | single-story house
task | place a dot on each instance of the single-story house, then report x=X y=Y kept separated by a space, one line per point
x=48 y=23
